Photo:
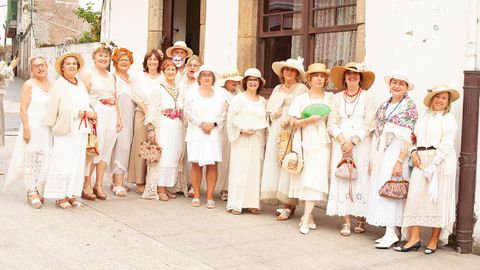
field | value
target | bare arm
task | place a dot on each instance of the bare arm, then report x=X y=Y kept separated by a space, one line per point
x=25 y=98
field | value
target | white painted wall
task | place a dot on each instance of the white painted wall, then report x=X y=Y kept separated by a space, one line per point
x=179 y=19
x=221 y=28
x=52 y=53
x=126 y=24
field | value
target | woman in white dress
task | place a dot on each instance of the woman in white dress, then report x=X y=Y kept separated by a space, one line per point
x=189 y=82
x=165 y=126
x=205 y=109
x=68 y=115
x=276 y=182
x=29 y=160
x=122 y=60
x=246 y=131
x=350 y=123
x=103 y=97
x=144 y=85
x=431 y=192
x=394 y=123
x=229 y=82
x=312 y=140
x=6 y=76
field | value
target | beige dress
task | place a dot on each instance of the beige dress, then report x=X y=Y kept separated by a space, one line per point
x=275 y=181
x=437 y=130
x=143 y=87
x=244 y=186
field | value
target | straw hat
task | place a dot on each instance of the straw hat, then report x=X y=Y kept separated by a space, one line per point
x=291 y=63
x=206 y=68
x=402 y=76
x=229 y=75
x=60 y=59
x=179 y=45
x=253 y=72
x=316 y=68
x=337 y=75
x=441 y=88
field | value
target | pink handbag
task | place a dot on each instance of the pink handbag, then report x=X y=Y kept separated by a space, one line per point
x=347 y=170
x=395 y=188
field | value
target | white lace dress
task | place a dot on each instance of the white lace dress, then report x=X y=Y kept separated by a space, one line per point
x=67 y=160
x=29 y=162
x=121 y=150
x=104 y=88
x=275 y=181
x=437 y=130
x=205 y=149
x=245 y=173
x=351 y=119
x=312 y=183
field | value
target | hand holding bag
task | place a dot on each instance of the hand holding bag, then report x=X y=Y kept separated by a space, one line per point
x=150 y=151
x=395 y=188
x=347 y=170
x=292 y=162
x=283 y=143
x=92 y=142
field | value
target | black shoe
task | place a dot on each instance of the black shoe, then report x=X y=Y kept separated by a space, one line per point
x=416 y=246
x=429 y=251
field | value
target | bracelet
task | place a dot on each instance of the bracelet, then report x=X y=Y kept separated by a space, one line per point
x=149 y=130
x=413 y=151
x=399 y=160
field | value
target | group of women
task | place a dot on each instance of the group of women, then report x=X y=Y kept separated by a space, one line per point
x=220 y=125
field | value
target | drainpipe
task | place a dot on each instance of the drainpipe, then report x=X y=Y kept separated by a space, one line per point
x=468 y=152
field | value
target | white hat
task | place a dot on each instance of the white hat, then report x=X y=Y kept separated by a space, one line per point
x=229 y=75
x=253 y=72
x=206 y=68
x=291 y=63
x=440 y=89
x=179 y=45
x=402 y=76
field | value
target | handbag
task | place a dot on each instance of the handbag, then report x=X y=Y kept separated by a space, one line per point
x=150 y=151
x=347 y=170
x=395 y=188
x=92 y=143
x=282 y=143
x=292 y=162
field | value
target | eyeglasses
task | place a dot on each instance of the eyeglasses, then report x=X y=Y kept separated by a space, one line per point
x=252 y=80
x=193 y=66
x=39 y=66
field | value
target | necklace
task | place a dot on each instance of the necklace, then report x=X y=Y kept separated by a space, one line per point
x=75 y=82
x=356 y=100
x=126 y=79
x=354 y=94
x=388 y=103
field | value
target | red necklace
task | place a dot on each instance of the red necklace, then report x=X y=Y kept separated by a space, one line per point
x=354 y=94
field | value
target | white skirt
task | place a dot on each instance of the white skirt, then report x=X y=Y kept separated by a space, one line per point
x=67 y=166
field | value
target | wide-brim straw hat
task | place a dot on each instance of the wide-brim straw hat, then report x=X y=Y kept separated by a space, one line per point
x=206 y=68
x=59 y=60
x=337 y=75
x=316 y=68
x=402 y=76
x=291 y=63
x=253 y=72
x=441 y=88
x=230 y=75
x=179 y=45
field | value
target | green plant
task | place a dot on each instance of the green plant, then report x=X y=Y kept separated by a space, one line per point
x=94 y=19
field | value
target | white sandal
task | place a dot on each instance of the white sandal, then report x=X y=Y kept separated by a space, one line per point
x=34 y=202
x=345 y=231
x=75 y=203
x=119 y=191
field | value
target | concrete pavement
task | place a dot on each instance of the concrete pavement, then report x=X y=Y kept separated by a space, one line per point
x=132 y=233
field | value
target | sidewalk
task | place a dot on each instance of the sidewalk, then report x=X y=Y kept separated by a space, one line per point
x=133 y=233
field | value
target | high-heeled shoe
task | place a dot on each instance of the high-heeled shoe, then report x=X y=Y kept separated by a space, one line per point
x=429 y=251
x=88 y=196
x=386 y=244
x=415 y=246
x=101 y=195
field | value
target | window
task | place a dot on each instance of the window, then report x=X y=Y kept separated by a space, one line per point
x=322 y=31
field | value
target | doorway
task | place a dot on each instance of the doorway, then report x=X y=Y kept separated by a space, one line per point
x=181 y=21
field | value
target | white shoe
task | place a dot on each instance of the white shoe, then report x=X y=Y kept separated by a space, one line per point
x=304 y=226
x=311 y=223
x=387 y=243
